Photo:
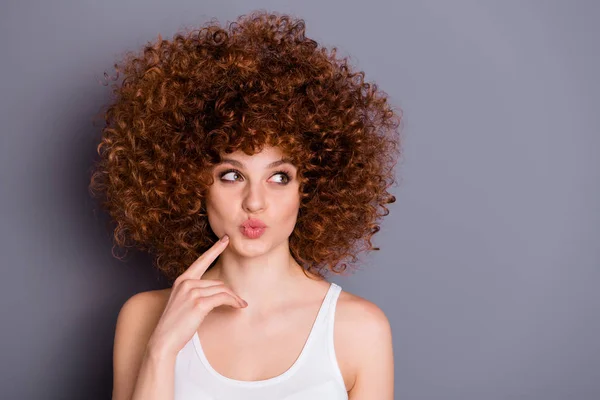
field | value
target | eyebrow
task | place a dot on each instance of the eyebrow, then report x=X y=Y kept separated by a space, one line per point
x=272 y=165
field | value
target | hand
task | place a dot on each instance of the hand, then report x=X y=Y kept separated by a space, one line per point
x=191 y=299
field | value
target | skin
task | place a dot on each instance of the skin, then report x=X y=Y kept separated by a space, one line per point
x=282 y=301
x=262 y=270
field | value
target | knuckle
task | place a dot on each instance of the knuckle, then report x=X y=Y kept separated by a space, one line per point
x=186 y=284
x=178 y=280
x=199 y=303
x=221 y=297
x=213 y=282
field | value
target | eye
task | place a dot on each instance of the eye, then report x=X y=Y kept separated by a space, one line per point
x=285 y=175
x=284 y=181
x=228 y=172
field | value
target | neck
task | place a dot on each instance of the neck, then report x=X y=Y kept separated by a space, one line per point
x=266 y=281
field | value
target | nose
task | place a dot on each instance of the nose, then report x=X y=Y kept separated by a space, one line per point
x=254 y=197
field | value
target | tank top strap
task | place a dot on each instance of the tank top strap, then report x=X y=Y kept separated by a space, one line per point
x=323 y=358
x=326 y=312
x=332 y=303
x=314 y=375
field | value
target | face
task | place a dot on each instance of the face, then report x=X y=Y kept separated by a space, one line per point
x=261 y=187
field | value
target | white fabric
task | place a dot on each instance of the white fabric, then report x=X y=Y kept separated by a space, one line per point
x=315 y=375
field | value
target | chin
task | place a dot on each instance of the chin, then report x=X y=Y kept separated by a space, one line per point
x=251 y=247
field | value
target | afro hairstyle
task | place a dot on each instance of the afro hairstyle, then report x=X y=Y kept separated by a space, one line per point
x=257 y=81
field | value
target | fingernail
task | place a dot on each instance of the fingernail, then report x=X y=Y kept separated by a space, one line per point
x=245 y=303
x=225 y=238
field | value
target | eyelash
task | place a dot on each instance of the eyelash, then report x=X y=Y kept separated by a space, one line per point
x=286 y=174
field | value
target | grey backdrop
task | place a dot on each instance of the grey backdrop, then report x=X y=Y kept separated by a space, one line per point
x=490 y=258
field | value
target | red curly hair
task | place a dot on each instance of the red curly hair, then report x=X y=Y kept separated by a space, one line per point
x=258 y=81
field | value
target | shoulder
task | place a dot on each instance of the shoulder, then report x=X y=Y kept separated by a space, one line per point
x=144 y=305
x=138 y=317
x=361 y=317
x=136 y=322
x=150 y=296
x=365 y=337
x=142 y=311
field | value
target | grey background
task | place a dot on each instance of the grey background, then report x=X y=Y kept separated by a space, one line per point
x=490 y=258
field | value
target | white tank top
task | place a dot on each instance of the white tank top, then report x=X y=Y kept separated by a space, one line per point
x=315 y=375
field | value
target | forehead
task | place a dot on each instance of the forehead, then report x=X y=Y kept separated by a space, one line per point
x=266 y=156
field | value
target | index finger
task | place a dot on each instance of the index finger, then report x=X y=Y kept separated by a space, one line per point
x=198 y=267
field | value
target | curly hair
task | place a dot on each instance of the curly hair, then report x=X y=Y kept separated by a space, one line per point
x=257 y=81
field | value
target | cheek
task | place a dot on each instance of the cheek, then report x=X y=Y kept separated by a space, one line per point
x=218 y=207
x=288 y=209
x=219 y=200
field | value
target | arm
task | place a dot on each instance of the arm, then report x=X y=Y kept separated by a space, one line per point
x=156 y=378
x=139 y=371
x=375 y=359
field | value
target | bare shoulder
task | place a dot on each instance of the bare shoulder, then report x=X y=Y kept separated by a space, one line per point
x=136 y=322
x=141 y=312
x=150 y=297
x=143 y=309
x=365 y=340
x=355 y=304
x=360 y=316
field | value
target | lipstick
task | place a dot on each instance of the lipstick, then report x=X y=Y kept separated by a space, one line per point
x=253 y=228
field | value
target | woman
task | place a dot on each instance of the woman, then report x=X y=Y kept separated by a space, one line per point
x=251 y=163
